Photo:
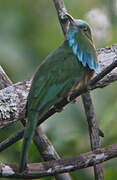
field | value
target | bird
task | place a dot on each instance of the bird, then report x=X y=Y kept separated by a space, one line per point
x=62 y=72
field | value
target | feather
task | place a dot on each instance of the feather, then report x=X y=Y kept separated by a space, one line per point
x=83 y=48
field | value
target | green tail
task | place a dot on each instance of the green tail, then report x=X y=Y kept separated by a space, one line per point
x=28 y=134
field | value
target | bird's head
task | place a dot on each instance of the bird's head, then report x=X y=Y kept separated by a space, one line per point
x=80 y=40
x=79 y=26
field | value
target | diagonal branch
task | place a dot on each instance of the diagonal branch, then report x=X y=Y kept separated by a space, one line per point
x=11 y=140
x=51 y=168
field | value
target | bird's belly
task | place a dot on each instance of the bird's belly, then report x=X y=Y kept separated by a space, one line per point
x=83 y=80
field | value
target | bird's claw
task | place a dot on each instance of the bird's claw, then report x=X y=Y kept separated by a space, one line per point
x=88 y=88
x=58 y=109
x=71 y=101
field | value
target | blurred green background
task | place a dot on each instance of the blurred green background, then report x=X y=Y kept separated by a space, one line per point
x=29 y=31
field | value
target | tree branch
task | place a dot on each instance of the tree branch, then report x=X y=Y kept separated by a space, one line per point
x=51 y=168
x=11 y=140
x=4 y=80
x=93 y=132
x=61 y=10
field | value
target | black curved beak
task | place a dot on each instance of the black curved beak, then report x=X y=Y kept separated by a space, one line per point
x=71 y=19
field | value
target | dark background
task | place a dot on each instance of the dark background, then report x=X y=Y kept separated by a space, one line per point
x=29 y=31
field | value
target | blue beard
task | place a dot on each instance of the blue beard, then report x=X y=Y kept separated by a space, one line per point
x=86 y=58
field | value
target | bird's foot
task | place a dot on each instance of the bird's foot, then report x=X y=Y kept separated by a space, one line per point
x=58 y=109
x=71 y=101
x=69 y=98
x=88 y=88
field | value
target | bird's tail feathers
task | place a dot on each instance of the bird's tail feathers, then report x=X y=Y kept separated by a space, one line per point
x=28 y=134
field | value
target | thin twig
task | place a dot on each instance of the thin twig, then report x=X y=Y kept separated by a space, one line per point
x=93 y=132
x=4 y=80
x=61 y=10
x=11 y=140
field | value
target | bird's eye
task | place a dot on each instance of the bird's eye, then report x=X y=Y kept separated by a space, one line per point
x=84 y=29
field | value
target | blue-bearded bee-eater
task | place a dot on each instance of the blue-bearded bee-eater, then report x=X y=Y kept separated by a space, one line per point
x=66 y=69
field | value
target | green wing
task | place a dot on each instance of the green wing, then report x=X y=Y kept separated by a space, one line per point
x=83 y=47
x=54 y=79
x=86 y=51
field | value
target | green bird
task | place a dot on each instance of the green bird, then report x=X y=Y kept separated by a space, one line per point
x=66 y=69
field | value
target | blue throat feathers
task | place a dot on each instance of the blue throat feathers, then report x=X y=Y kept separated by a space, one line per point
x=86 y=58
